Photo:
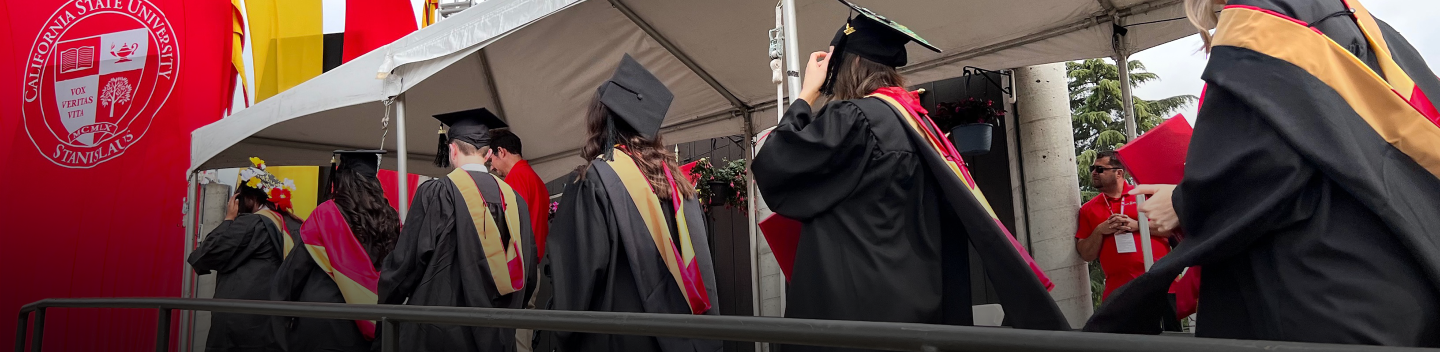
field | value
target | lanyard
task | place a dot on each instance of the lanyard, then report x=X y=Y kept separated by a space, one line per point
x=1110 y=208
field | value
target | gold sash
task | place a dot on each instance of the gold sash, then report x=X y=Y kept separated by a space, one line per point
x=939 y=148
x=278 y=220
x=498 y=255
x=649 y=207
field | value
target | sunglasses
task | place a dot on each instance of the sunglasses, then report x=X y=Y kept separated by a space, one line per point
x=1099 y=169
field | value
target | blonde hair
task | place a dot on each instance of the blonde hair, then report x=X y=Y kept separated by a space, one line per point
x=1202 y=15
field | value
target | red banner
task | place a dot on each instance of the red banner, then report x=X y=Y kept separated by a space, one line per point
x=390 y=182
x=98 y=99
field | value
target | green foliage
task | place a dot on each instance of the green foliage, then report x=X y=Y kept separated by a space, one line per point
x=1096 y=108
x=1098 y=117
x=732 y=173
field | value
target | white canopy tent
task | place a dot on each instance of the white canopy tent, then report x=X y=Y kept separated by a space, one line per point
x=536 y=63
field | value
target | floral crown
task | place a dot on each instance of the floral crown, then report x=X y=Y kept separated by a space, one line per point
x=279 y=190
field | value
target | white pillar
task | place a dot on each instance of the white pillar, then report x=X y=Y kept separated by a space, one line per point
x=1052 y=194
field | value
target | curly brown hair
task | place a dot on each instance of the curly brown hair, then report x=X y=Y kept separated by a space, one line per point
x=375 y=224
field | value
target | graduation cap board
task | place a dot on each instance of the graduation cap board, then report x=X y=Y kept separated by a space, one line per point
x=469 y=126
x=873 y=37
x=366 y=162
x=635 y=96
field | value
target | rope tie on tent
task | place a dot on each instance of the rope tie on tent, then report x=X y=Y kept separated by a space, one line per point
x=385 y=122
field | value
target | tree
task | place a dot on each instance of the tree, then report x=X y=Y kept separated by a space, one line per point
x=1098 y=119
x=117 y=91
x=1097 y=115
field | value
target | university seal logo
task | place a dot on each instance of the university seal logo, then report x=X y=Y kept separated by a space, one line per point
x=95 y=77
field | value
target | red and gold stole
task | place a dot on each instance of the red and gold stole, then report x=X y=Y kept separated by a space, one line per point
x=909 y=106
x=1392 y=105
x=279 y=221
x=681 y=262
x=506 y=262
x=331 y=243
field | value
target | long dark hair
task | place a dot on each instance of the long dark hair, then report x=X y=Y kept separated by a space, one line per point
x=859 y=77
x=649 y=154
x=252 y=200
x=375 y=224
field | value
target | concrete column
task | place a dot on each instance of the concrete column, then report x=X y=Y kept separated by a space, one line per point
x=1052 y=195
x=212 y=213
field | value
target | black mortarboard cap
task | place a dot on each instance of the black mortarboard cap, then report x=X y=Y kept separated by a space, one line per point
x=638 y=98
x=873 y=37
x=366 y=162
x=469 y=126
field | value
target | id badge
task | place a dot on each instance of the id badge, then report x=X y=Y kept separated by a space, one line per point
x=1125 y=243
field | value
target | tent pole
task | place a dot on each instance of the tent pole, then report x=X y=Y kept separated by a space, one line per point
x=1127 y=103
x=402 y=157
x=1122 y=60
x=792 y=50
x=750 y=215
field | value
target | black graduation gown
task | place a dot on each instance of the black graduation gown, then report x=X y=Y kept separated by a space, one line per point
x=301 y=280
x=603 y=259
x=885 y=223
x=245 y=254
x=1310 y=227
x=438 y=261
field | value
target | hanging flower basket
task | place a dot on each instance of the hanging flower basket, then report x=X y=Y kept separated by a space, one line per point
x=971 y=123
x=717 y=186
x=972 y=138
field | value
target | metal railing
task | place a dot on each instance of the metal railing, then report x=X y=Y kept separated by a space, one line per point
x=829 y=333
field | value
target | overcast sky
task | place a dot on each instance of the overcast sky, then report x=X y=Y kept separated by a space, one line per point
x=1179 y=63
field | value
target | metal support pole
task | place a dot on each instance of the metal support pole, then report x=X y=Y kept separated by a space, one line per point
x=20 y=332
x=37 y=336
x=1127 y=102
x=389 y=338
x=1145 y=235
x=162 y=330
x=750 y=217
x=780 y=105
x=403 y=157
x=792 y=50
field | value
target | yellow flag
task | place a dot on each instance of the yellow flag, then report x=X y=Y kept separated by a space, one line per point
x=237 y=42
x=287 y=43
x=428 y=15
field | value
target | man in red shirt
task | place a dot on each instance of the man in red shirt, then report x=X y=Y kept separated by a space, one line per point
x=1108 y=229
x=505 y=160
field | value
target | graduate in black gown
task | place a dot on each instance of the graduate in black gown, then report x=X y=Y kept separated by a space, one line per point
x=244 y=252
x=1311 y=185
x=629 y=235
x=441 y=259
x=887 y=206
x=336 y=255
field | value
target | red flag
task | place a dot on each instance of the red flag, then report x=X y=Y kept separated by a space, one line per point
x=98 y=108
x=390 y=182
x=370 y=24
x=1158 y=156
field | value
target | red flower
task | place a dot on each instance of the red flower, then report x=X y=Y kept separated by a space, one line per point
x=281 y=197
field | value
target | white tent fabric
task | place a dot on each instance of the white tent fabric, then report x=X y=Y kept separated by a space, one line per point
x=537 y=63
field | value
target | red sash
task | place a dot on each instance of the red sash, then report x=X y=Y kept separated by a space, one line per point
x=328 y=238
